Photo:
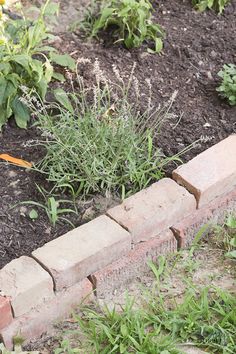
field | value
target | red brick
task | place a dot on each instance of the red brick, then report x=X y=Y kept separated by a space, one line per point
x=215 y=212
x=133 y=265
x=5 y=312
x=26 y=283
x=153 y=210
x=84 y=250
x=42 y=320
x=211 y=173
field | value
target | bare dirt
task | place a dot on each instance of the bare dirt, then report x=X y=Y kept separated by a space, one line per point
x=195 y=48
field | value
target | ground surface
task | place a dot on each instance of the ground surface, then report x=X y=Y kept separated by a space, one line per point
x=207 y=267
x=195 y=48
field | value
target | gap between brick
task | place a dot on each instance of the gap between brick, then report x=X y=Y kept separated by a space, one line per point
x=93 y=281
x=47 y=270
x=123 y=227
x=177 y=237
x=187 y=187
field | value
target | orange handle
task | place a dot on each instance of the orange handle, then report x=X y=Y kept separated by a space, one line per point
x=15 y=161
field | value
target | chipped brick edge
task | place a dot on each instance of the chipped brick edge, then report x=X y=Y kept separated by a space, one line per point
x=179 y=235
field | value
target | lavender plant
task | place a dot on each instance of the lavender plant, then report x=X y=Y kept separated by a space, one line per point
x=98 y=141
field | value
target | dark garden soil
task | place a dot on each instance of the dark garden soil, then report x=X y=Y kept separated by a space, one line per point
x=195 y=48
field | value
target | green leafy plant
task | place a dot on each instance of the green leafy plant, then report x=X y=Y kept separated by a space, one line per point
x=227 y=88
x=99 y=142
x=131 y=22
x=26 y=62
x=218 y=5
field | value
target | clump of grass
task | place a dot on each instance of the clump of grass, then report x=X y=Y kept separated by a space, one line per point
x=206 y=318
x=98 y=141
x=127 y=331
x=224 y=236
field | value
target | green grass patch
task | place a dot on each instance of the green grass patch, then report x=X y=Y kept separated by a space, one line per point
x=164 y=320
x=205 y=318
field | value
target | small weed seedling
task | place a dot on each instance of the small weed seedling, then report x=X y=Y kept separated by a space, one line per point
x=227 y=88
x=51 y=208
x=26 y=62
x=131 y=23
x=225 y=237
x=218 y=5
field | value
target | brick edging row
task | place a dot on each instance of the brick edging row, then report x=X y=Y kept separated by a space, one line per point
x=107 y=252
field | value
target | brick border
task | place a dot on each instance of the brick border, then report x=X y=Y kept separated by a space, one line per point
x=107 y=252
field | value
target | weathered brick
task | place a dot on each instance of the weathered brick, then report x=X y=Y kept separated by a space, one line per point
x=84 y=250
x=5 y=312
x=211 y=173
x=132 y=265
x=42 y=320
x=211 y=214
x=26 y=283
x=151 y=211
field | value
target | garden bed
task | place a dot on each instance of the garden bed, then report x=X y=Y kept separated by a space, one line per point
x=195 y=48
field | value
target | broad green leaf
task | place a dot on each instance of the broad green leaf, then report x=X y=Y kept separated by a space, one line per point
x=58 y=76
x=123 y=348
x=46 y=48
x=8 y=87
x=3 y=85
x=5 y=68
x=233 y=242
x=37 y=67
x=158 y=45
x=63 y=60
x=231 y=254
x=42 y=86
x=22 y=59
x=3 y=117
x=231 y=221
x=33 y=214
x=21 y=113
x=36 y=34
x=62 y=97
x=48 y=71
x=14 y=79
